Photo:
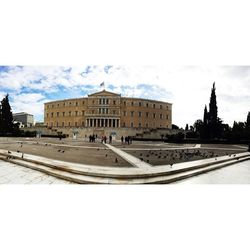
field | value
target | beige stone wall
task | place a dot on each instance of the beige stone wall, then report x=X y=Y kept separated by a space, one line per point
x=106 y=109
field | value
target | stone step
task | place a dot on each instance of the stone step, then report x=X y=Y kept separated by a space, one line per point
x=88 y=179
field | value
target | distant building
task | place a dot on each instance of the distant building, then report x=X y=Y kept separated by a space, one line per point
x=25 y=119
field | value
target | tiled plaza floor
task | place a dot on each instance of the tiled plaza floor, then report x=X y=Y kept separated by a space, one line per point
x=14 y=174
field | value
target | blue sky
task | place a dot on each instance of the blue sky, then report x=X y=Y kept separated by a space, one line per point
x=187 y=87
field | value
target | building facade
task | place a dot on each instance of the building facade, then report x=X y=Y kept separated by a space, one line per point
x=108 y=110
x=25 y=119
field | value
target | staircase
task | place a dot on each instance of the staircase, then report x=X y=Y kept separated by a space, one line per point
x=84 y=174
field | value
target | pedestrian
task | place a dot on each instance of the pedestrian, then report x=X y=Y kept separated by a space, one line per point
x=110 y=139
x=128 y=140
x=105 y=139
x=122 y=139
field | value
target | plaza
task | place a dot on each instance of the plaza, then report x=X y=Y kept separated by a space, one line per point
x=79 y=161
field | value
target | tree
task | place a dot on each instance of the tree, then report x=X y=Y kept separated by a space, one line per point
x=213 y=109
x=186 y=128
x=7 y=125
x=174 y=126
x=248 y=120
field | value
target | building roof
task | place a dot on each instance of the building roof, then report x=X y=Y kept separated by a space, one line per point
x=21 y=113
x=104 y=93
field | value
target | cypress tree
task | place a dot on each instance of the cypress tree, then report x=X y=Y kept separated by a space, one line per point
x=205 y=117
x=7 y=117
x=248 y=120
x=213 y=110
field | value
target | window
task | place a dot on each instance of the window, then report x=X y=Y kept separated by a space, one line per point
x=154 y=115
x=57 y=104
x=160 y=106
x=124 y=125
x=161 y=116
x=70 y=104
x=47 y=115
x=63 y=113
x=107 y=101
x=167 y=117
x=83 y=124
x=69 y=113
x=124 y=103
x=139 y=113
x=131 y=113
x=83 y=113
x=167 y=107
x=132 y=124
x=103 y=111
x=83 y=103
x=114 y=102
x=147 y=114
x=139 y=125
x=100 y=101
x=132 y=103
x=57 y=114
x=52 y=114
x=62 y=124
x=124 y=113
x=64 y=104
x=139 y=104
x=93 y=111
x=76 y=113
x=100 y=110
x=76 y=103
x=147 y=105
x=154 y=106
x=93 y=101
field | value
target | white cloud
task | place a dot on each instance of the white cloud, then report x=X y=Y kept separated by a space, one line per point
x=187 y=87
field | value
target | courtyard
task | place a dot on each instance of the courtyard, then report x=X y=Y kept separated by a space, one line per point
x=115 y=161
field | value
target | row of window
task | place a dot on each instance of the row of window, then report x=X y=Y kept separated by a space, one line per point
x=106 y=111
x=104 y=101
x=82 y=124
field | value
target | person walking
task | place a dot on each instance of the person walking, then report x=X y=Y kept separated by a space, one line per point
x=110 y=139
x=122 y=139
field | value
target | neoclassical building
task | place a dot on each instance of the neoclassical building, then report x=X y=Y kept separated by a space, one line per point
x=108 y=110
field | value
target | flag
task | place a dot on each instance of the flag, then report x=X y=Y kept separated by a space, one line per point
x=102 y=84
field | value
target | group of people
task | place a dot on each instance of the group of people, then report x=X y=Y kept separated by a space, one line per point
x=92 y=138
x=127 y=139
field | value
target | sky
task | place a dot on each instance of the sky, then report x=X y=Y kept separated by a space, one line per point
x=188 y=88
